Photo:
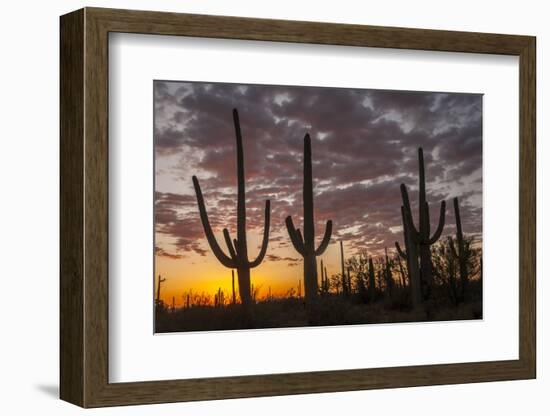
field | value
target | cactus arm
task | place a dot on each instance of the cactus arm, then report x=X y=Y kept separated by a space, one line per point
x=301 y=238
x=405 y=197
x=452 y=247
x=326 y=239
x=407 y=209
x=453 y=250
x=265 y=240
x=399 y=251
x=295 y=236
x=441 y=224
x=410 y=228
x=405 y=227
x=212 y=242
x=232 y=251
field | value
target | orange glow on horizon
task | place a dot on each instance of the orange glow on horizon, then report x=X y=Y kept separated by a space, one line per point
x=205 y=274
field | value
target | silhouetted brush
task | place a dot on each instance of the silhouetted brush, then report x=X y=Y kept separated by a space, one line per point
x=388 y=273
x=238 y=249
x=305 y=245
x=401 y=271
x=372 y=282
x=360 y=285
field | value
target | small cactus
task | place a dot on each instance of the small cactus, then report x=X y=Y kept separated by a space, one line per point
x=324 y=279
x=159 y=282
x=371 y=291
x=345 y=285
x=388 y=273
x=460 y=254
x=402 y=273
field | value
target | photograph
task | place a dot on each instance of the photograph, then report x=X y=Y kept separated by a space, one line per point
x=280 y=206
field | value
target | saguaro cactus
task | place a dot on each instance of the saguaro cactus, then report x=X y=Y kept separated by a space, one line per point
x=324 y=279
x=238 y=250
x=401 y=270
x=159 y=282
x=460 y=254
x=419 y=240
x=305 y=245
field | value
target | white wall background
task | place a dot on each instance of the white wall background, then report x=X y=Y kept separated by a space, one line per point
x=29 y=85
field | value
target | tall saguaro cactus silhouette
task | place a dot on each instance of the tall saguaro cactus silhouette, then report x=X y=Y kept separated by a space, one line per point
x=418 y=241
x=460 y=254
x=305 y=245
x=238 y=250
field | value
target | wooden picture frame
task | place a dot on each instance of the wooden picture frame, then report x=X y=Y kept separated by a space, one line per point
x=84 y=207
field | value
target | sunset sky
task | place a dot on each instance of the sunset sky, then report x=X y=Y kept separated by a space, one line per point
x=364 y=145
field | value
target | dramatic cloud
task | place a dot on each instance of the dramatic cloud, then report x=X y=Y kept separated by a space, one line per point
x=364 y=145
x=163 y=253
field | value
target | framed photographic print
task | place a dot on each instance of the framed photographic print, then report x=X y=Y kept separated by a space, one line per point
x=256 y=207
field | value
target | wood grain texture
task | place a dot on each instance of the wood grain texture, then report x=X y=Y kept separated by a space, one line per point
x=71 y=208
x=527 y=207
x=84 y=207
